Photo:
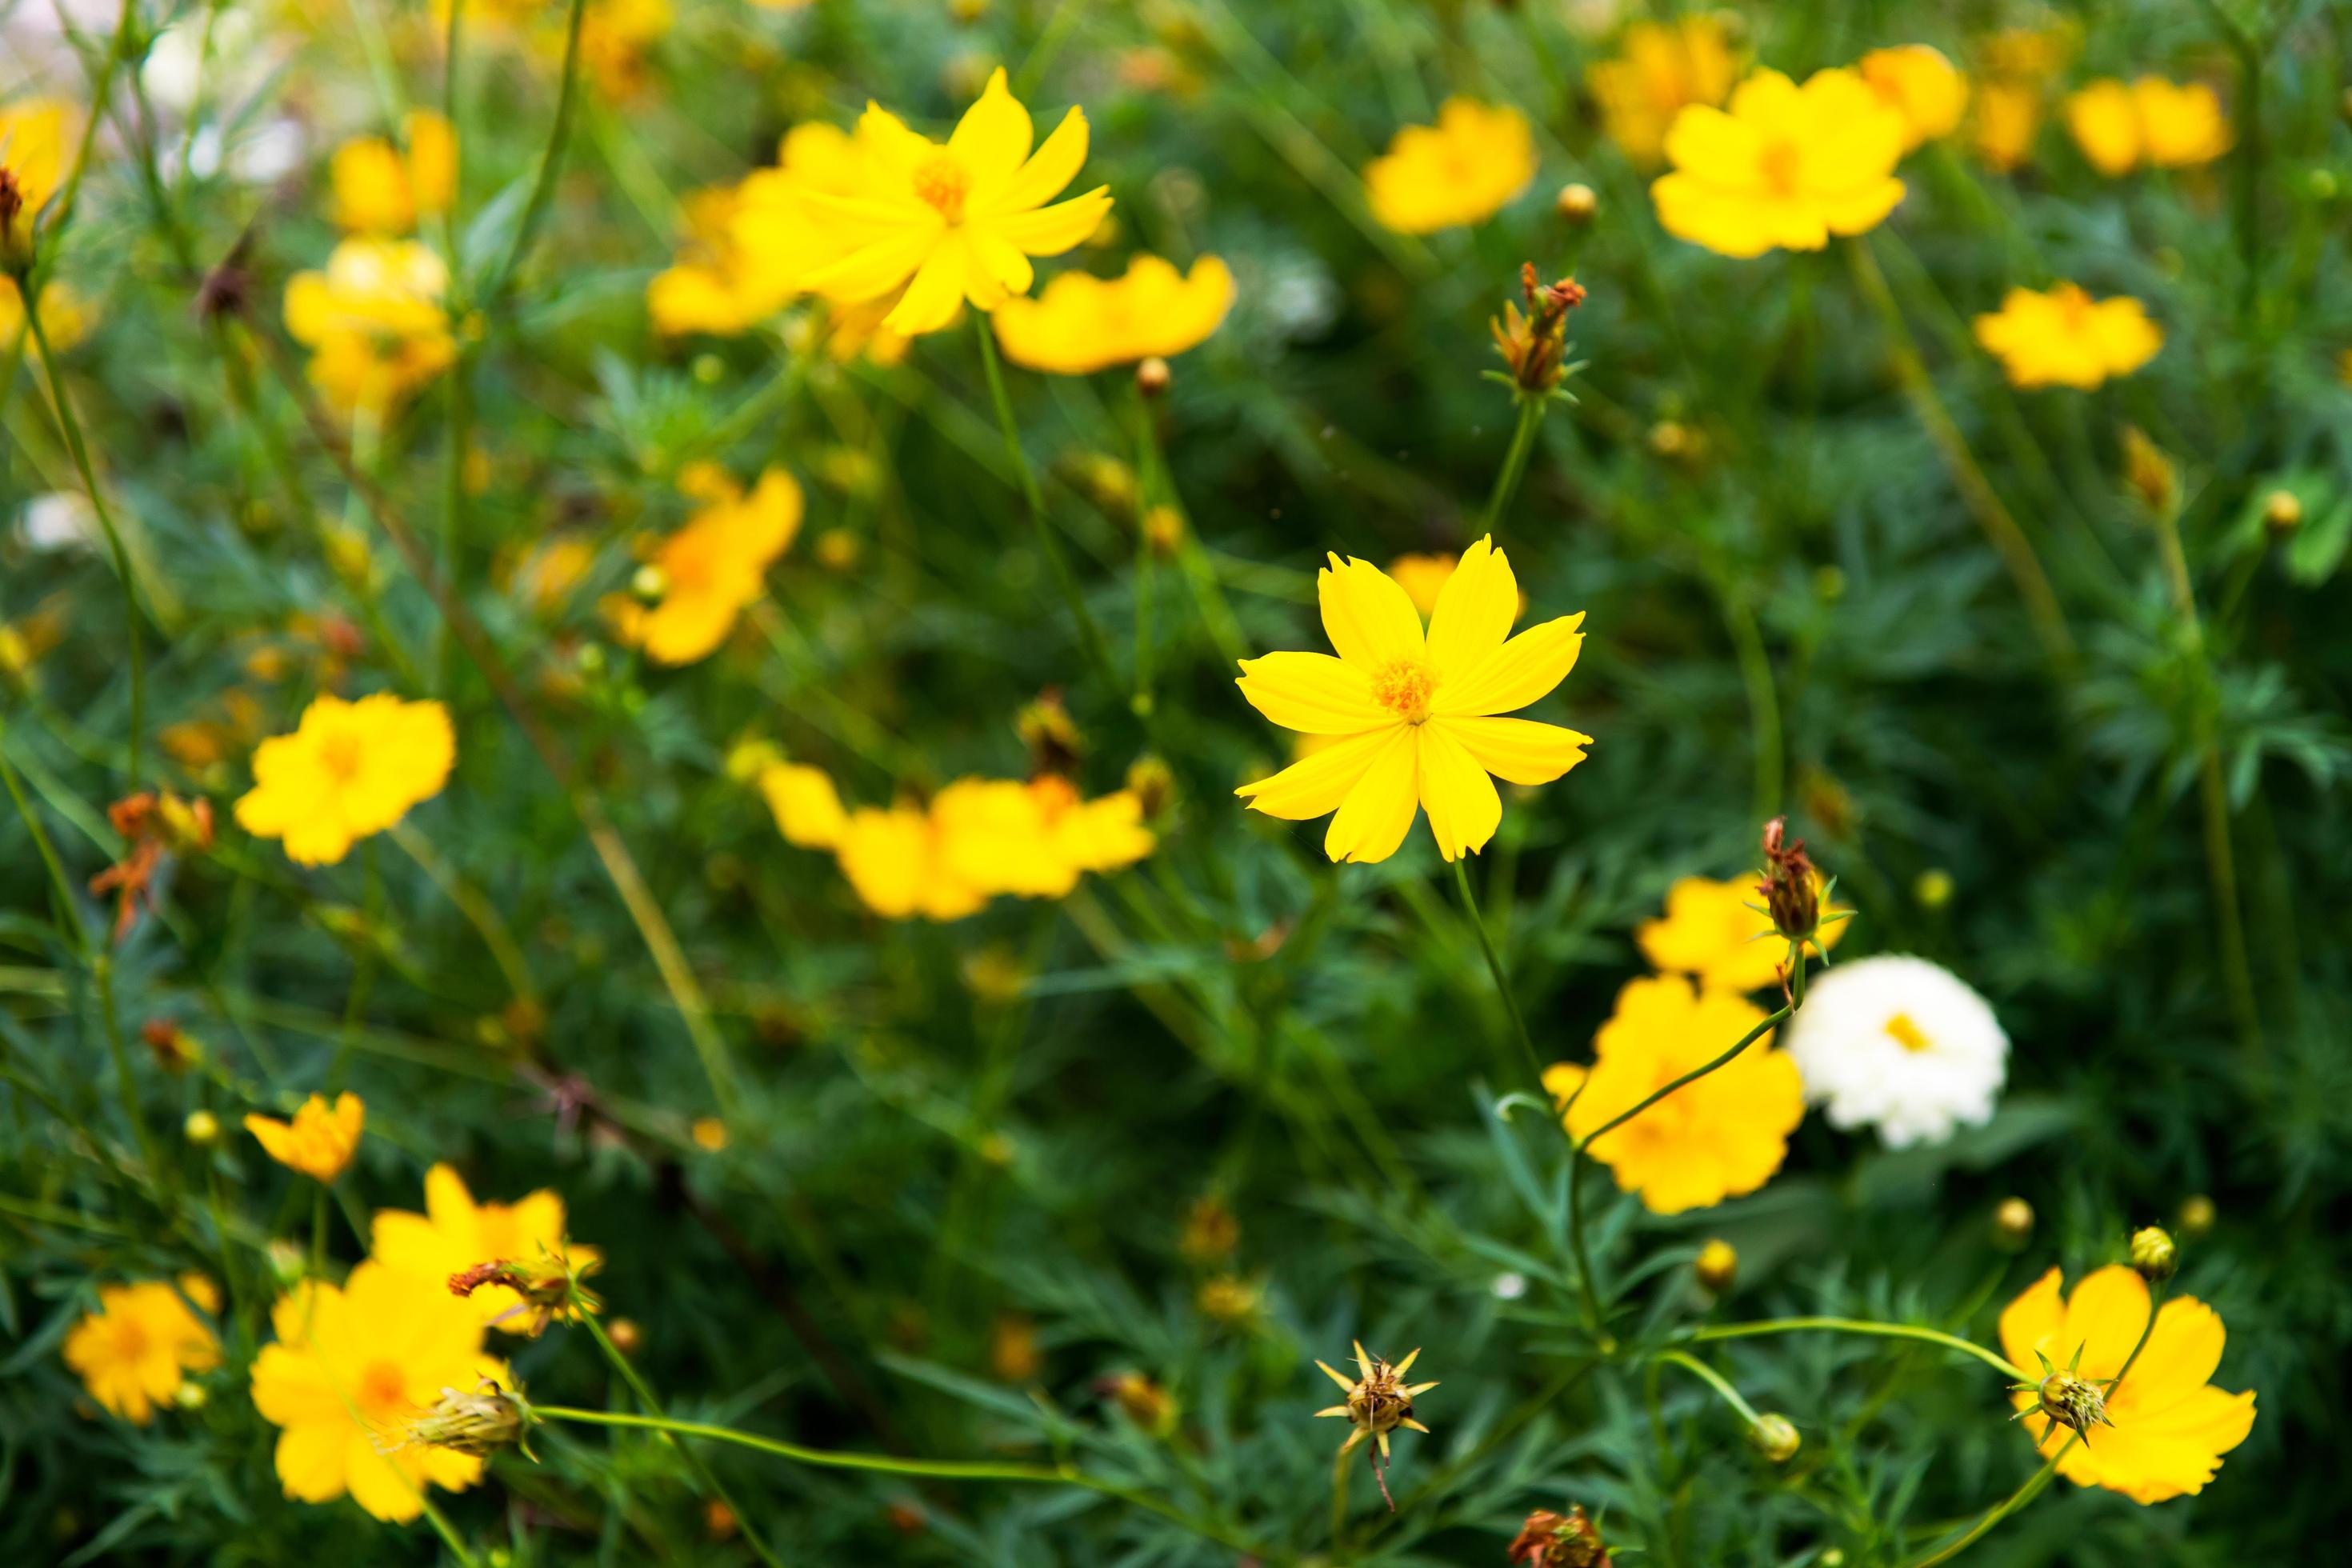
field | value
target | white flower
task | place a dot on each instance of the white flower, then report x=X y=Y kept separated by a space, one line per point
x=58 y=520
x=1901 y=1043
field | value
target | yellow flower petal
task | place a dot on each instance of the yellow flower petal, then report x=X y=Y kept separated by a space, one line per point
x=1049 y=231
x=1045 y=176
x=1318 y=783
x=1474 y=609
x=1464 y=809
x=1312 y=692
x=1517 y=751
x=994 y=134
x=1366 y=614
x=1521 y=671
x=1373 y=819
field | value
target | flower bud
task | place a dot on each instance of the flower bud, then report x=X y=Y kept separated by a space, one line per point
x=626 y=1337
x=2196 y=1215
x=488 y=1419
x=1163 y=530
x=286 y=1262
x=1548 y=1539
x=1577 y=203
x=649 y=584
x=2072 y=1402
x=2013 y=1225
x=190 y=1397
x=1774 y=1436
x=721 y=1521
x=2149 y=472
x=2281 y=514
x=1934 y=888
x=1791 y=895
x=1142 y=1401
x=1154 y=783
x=1152 y=376
x=1717 y=1267
x=201 y=1128
x=176 y=1050
x=2153 y=1255
x=836 y=549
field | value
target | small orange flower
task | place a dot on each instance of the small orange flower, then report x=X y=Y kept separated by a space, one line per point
x=319 y=1141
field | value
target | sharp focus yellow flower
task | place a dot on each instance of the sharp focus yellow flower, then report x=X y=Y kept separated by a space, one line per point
x=2166 y=124
x=353 y=1366
x=135 y=1351
x=715 y=567
x=2167 y=1426
x=960 y=219
x=1920 y=84
x=1081 y=323
x=381 y=190
x=1665 y=66
x=1710 y=933
x=36 y=137
x=2066 y=338
x=350 y=770
x=374 y=322
x=1417 y=711
x=66 y=319
x=455 y=1234
x=1787 y=167
x=2008 y=113
x=806 y=806
x=1717 y=1138
x=319 y=1141
x=1460 y=171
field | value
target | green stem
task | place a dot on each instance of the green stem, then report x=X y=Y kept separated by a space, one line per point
x=1090 y=637
x=1712 y=1378
x=1340 y=1471
x=1763 y=702
x=551 y=162
x=2000 y=1510
x=1859 y=1326
x=101 y=974
x=1502 y=979
x=446 y=1530
x=68 y=911
x=1746 y=1040
x=1531 y=408
x=654 y=1418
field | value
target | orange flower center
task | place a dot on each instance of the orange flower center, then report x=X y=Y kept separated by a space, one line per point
x=943 y=182
x=340 y=755
x=2074 y=307
x=130 y=1339
x=1906 y=1034
x=1403 y=687
x=1779 y=162
x=383 y=1391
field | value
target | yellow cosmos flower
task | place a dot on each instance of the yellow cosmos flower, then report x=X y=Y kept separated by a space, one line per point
x=321 y=1140
x=36 y=137
x=1665 y=66
x=454 y=1233
x=2066 y=338
x=894 y=859
x=1709 y=932
x=2166 y=124
x=136 y=1350
x=1460 y=171
x=374 y=322
x=2170 y=1424
x=715 y=567
x=1787 y=167
x=1920 y=84
x=2008 y=114
x=1717 y=1138
x=960 y=219
x=352 y=1367
x=1081 y=324
x=66 y=319
x=615 y=38
x=806 y=806
x=381 y=190
x=980 y=838
x=350 y=770
x=1418 y=710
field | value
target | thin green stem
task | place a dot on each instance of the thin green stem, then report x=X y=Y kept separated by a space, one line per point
x=1746 y=1040
x=1340 y=1471
x=1763 y=700
x=1090 y=637
x=1712 y=1378
x=2000 y=1510
x=1502 y=979
x=446 y=1530
x=551 y=162
x=1531 y=408
x=68 y=911
x=101 y=975
x=1859 y=1326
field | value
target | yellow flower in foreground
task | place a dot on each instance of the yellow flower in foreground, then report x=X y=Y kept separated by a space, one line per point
x=2066 y=338
x=374 y=322
x=352 y=1367
x=960 y=218
x=1418 y=710
x=35 y=139
x=2169 y=1425
x=64 y=319
x=454 y=1233
x=1460 y=171
x=1717 y=1138
x=985 y=836
x=319 y=1141
x=1709 y=932
x=1787 y=167
x=1081 y=323
x=134 y=1352
x=806 y=806
x=350 y=770
x=2168 y=125
x=1918 y=83
x=381 y=190
x=1665 y=66
x=715 y=567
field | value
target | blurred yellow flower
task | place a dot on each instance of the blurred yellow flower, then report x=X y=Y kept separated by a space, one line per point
x=2008 y=113
x=319 y=1141
x=454 y=1233
x=2066 y=338
x=616 y=36
x=352 y=1367
x=2166 y=124
x=980 y=838
x=350 y=770
x=1418 y=710
x=1080 y=323
x=1788 y=166
x=1920 y=84
x=36 y=134
x=806 y=806
x=715 y=567
x=960 y=219
x=135 y=1351
x=1460 y=171
x=1717 y=1138
x=1665 y=66
x=1708 y=931
x=1423 y=578
x=893 y=860
x=374 y=322
x=65 y=317
x=2170 y=1424
x=381 y=190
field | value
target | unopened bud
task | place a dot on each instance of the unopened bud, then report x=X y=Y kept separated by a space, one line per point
x=2154 y=1254
x=1153 y=784
x=1792 y=896
x=1717 y=1267
x=2196 y=1215
x=1548 y=1539
x=1934 y=888
x=836 y=549
x=650 y=584
x=190 y=1397
x=1577 y=203
x=285 y=1259
x=2282 y=512
x=626 y=1337
x=1672 y=439
x=201 y=1128
x=2013 y=1225
x=1163 y=530
x=1141 y=1401
x=2149 y=472
x=1152 y=376
x=1775 y=1437
x=488 y=1419
x=720 y=1519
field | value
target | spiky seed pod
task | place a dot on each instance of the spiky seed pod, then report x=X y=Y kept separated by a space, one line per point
x=2066 y=1398
x=1378 y=1401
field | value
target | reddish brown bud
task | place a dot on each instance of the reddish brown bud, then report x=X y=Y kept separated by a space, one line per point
x=1791 y=895
x=1535 y=343
x=1550 y=1540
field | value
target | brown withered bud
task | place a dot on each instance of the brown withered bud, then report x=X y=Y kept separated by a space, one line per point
x=1052 y=736
x=1792 y=896
x=1535 y=343
x=175 y=1049
x=12 y=207
x=1152 y=376
x=1550 y=1540
x=227 y=289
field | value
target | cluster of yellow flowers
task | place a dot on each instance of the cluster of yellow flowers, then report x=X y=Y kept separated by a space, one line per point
x=2164 y=124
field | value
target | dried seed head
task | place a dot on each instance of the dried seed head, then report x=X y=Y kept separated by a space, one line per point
x=1378 y=1401
x=2149 y=472
x=1775 y=1437
x=2065 y=1397
x=1147 y=1404
x=1534 y=345
x=2154 y=1254
x=1792 y=894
